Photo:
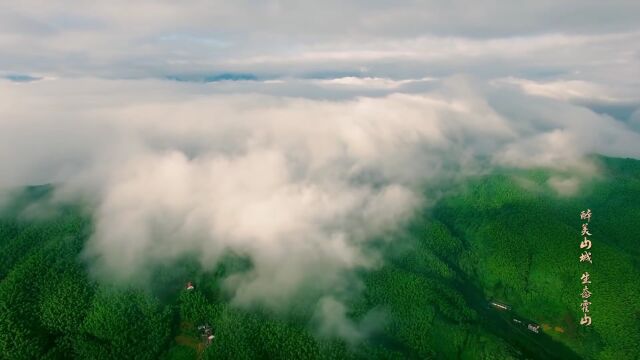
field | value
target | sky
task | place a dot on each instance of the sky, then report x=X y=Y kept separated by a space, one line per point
x=295 y=132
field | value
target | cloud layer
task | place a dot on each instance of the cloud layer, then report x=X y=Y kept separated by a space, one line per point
x=296 y=184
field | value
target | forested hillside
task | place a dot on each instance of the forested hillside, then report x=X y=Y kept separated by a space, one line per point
x=506 y=236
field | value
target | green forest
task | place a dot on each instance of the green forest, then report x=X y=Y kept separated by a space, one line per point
x=506 y=236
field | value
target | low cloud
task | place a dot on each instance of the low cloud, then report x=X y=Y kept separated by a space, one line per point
x=331 y=319
x=564 y=186
x=297 y=185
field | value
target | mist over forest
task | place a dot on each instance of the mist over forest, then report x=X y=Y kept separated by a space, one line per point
x=335 y=180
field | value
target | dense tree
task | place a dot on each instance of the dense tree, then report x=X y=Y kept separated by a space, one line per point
x=504 y=236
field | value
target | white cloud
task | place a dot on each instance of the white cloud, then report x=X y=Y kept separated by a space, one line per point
x=564 y=186
x=401 y=40
x=369 y=82
x=296 y=184
x=572 y=90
